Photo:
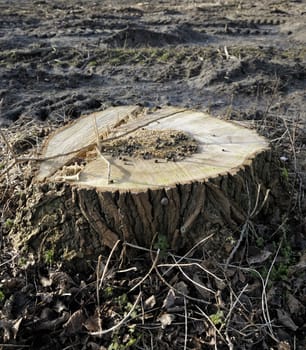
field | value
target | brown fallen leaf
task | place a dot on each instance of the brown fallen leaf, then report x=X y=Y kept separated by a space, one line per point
x=182 y=287
x=93 y=323
x=300 y=266
x=295 y=306
x=170 y=299
x=259 y=258
x=205 y=294
x=285 y=319
x=53 y=324
x=74 y=323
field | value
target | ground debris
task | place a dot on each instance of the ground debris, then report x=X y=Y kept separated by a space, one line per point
x=242 y=61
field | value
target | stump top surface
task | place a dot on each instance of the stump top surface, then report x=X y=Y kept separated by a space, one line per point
x=221 y=147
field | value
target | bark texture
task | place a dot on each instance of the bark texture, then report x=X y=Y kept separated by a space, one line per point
x=229 y=179
x=80 y=222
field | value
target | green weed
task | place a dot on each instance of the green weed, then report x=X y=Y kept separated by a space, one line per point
x=8 y=224
x=108 y=292
x=217 y=318
x=162 y=244
x=2 y=296
x=49 y=256
x=285 y=174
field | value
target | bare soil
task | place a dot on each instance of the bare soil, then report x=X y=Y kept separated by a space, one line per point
x=239 y=60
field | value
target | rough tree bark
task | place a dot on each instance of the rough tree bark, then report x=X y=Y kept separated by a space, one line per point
x=97 y=184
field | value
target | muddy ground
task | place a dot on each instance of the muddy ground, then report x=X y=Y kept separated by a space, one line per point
x=239 y=60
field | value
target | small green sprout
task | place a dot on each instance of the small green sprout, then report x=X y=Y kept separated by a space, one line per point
x=162 y=243
x=217 y=318
x=8 y=224
x=285 y=174
x=2 y=296
x=49 y=256
x=108 y=292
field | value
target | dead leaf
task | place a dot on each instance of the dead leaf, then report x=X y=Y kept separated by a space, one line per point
x=46 y=298
x=259 y=258
x=283 y=345
x=150 y=302
x=220 y=284
x=16 y=326
x=295 y=306
x=206 y=295
x=169 y=300
x=275 y=296
x=61 y=280
x=93 y=323
x=255 y=286
x=285 y=319
x=75 y=322
x=301 y=266
x=166 y=319
x=47 y=314
x=7 y=327
x=10 y=327
x=241 y=276
x=45 y=282
x=53 y=324
x=59 y=307
x=182 y=288
x=94 y=346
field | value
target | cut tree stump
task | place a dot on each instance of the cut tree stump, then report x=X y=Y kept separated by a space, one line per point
x=145 y=177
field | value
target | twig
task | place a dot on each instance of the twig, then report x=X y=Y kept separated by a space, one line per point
x=210 y=322
x=134 y=268
x=186 y=324
x=168 y=284
x=234 y=250
x=7 y=143
x=188 y=223
x=149 y=272
x=3 y=135
x=8 y=146
x=190 y=251
x=228 y=316
x=264 y=302
x=100 y=333
x=251 y=214
x=264 y=294
x=14 y=346
x=262 y=204
x=194 y=282
x=191 y=264
x=96 y=131
x=227 y=56
x=98 y=148
x=154 y=251
x=99 y=283
x=256 y=201
x=107 y=162
x=292 y=142
x=75 y=177
x=9 y=260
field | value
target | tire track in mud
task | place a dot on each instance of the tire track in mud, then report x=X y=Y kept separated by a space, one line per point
x=54 y=56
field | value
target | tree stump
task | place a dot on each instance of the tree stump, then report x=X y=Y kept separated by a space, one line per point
x=130 y=174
